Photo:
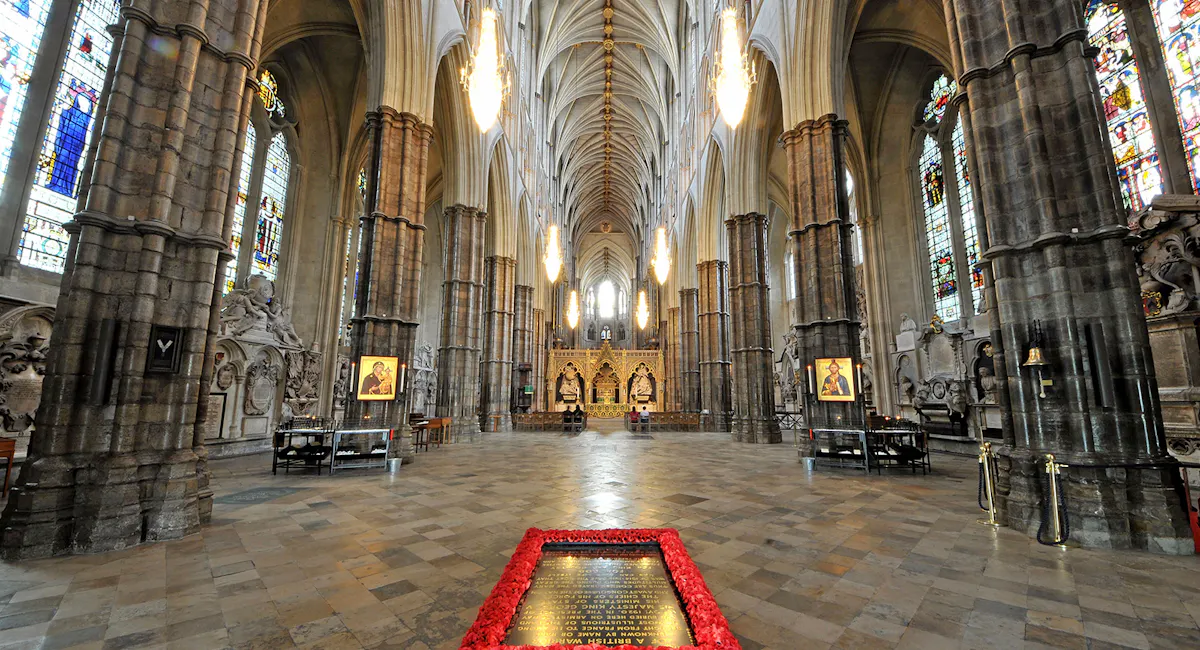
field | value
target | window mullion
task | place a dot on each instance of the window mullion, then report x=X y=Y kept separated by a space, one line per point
x=962 y=273
x=1160 y=99
x=250 y=221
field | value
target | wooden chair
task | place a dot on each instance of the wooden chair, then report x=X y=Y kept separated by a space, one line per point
x=8 y=449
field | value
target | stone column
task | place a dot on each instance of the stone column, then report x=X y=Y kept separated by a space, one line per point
x=749 y=292
x=824 y=316
x=393 y=242
x=538 y=354
x=674 y=360
x=462 y=315
x=714 y=344
x=1055 y=240
x=498 y=345
x=689 y=350
x=118 y=457
x=522 y=334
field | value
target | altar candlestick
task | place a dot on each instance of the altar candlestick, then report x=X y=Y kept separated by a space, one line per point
x=859 y=369
x=812 y=381
x=403 y=374
x=353 y=378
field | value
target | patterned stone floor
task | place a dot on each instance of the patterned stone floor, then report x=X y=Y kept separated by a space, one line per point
x=796 y=560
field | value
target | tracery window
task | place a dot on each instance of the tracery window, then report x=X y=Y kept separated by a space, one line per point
x=349 y=308
x=790 y=270
x=1178 y=24
x=265 y=182
x=948 y=207
x=56 y=183
x=1125 y=109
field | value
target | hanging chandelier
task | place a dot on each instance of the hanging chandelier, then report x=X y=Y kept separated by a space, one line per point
x=484 y=77
x=662 y=257
x=553 y=257
x=573 y=310
x=643 y=310
x=733 y=74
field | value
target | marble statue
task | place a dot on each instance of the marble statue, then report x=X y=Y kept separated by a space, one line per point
x=987 y=381
x=570 y=387
x=254 y=307
x=907 y=324
x=643 y=386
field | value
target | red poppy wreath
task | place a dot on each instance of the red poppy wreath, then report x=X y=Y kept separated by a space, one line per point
x=708 y=625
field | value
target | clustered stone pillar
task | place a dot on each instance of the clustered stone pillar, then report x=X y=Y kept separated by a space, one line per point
x=754 y=381
x=714 y=345
x=522 y=334
x=824 y=319
x=393 y=242
x=1060 y=265
x=689 y=350
x=118 y=457
x=674 y=361
x=538 y=352
x=498 y=345
x=462 y=315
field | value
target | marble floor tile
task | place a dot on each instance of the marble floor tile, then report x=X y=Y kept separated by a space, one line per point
x=795 y=559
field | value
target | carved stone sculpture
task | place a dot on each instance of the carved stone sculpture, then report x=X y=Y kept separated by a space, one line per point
x=254 y=308
x=22 y=364
x=907 y=324
x=988 y=381
x=262 y=377
x=341 y=385
x=303 y=386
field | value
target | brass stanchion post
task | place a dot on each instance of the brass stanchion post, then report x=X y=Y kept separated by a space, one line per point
x=987 y=477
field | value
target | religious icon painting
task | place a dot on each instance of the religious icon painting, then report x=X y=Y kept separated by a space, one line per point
x=377 y=378
x=835 y=380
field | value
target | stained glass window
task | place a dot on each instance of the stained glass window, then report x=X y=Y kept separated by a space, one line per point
x=1179 y=32
x=1124 y=106
x=789 y=268
x=939 y=98
x=268 y=92
x=271 y=208
x=21 y=27
x=966 y=202
x=856 y=231
x=937 y=232
x=239 y=210
x=350 y=283
x=56 y=183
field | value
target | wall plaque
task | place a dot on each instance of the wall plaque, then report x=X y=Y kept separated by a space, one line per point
x=607 y=594
x=214 y=426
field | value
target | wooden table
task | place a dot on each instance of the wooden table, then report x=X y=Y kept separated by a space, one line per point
x=8 y=449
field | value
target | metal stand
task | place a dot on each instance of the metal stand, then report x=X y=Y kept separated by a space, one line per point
x=987 y=484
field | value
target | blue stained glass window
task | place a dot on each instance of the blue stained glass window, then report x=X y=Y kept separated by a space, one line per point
x=57 y=181
x=1179 y=32
x=966 y=202
x=1124 y=106
x=938 y=237
x=239 y=210
x=272 y=208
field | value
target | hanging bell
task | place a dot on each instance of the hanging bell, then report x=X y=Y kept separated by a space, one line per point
x=1036 y=357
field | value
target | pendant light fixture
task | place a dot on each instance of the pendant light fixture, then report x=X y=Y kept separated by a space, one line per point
x=733 y=75
x=662 y=257
x=643 y=310
x=553 y=257
x=573 y=310
x=484 y=80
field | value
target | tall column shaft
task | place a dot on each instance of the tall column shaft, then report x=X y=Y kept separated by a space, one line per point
x=522 y=334
x=1055 y=240
x=498 y=345
x=824 y=316
x=115 y=459
x=538 y=352
x=462 y=317
x=674 y=361
x=753 y=376
x=689 y=350
x=715 y=389
x=393 y=242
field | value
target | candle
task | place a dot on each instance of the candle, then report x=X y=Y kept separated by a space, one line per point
x=812 y=381
x=353 y=378
x=859 y=369
x=403 y=374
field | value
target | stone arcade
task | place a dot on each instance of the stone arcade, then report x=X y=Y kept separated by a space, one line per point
x=770 y=238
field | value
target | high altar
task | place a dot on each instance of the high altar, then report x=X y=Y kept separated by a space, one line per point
x=605 y=382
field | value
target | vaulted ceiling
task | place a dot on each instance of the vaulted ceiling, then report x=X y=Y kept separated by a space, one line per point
x=608 y=67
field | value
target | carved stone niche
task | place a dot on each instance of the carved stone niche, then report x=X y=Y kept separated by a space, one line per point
x=1168 y=255
x=932 y=383
x=302 y=391
x=24 y=344
x=424 y=383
